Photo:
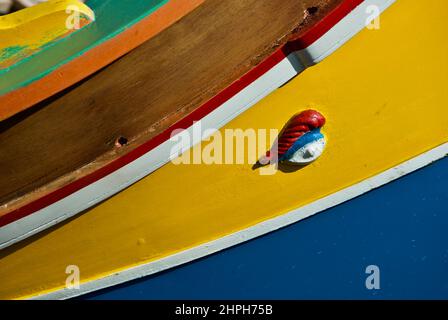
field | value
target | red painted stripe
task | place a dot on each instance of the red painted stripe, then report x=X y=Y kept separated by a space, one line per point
x=302 y=42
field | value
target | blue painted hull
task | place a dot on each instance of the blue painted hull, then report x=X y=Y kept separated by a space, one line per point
x=401 y=228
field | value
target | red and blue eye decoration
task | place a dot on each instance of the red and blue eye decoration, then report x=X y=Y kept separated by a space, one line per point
x=300 y=141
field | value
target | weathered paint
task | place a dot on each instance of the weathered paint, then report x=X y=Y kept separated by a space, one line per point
x=367 y=91
x=112 y=18
x=12 y=54
x=26 y=32
x=120 y=26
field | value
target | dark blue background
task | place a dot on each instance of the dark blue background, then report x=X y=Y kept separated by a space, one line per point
x=401 y=228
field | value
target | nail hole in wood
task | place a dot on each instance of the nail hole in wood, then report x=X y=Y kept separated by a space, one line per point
x=121 y=141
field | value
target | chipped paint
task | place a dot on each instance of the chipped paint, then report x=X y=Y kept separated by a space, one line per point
x=29 y=31
x=112 y=18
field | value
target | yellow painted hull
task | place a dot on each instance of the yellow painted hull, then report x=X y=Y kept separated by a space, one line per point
x=385 y=99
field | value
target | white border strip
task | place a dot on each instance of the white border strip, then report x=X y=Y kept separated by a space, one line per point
x=151 y=161
x=254 y=231
x=353 y=23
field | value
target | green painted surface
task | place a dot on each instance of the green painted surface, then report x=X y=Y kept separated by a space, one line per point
x=112 y=18
x=10 y=52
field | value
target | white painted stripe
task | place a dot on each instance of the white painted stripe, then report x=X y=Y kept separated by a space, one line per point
x=154 y=159
x=343 y=31
x=256 y=230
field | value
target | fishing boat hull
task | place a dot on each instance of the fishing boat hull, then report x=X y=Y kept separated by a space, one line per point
x=183 y=211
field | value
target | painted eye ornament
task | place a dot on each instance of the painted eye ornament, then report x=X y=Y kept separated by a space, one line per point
x=300 y=142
